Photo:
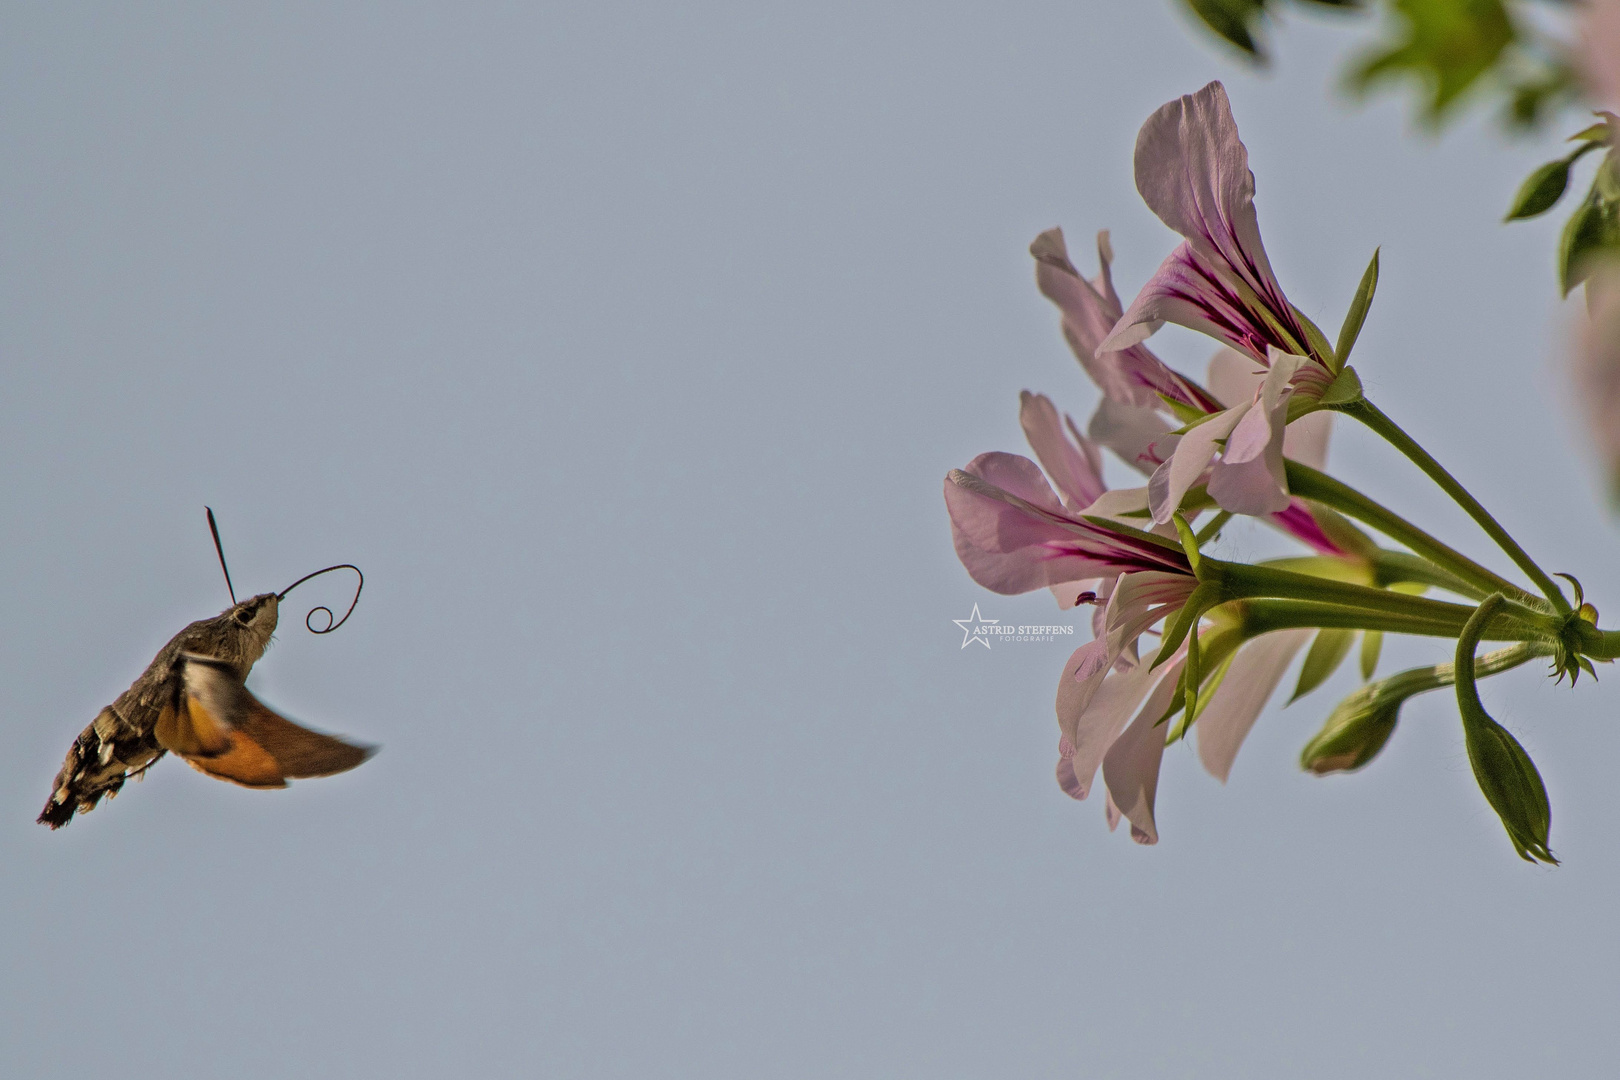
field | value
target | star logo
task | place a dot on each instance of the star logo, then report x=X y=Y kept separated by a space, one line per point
x=973 y=628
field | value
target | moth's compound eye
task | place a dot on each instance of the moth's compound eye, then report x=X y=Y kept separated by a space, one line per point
x=245 y=617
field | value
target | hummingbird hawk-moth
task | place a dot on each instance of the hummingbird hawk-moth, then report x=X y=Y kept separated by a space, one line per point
x=191 y=701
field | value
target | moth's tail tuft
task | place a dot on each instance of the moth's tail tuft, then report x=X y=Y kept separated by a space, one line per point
x=105 y=754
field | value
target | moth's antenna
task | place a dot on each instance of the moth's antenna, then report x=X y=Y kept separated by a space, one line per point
x=213 y=528
x=330 y=625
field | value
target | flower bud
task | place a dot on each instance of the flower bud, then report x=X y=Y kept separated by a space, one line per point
x=1355 y=732
x=1506 y=775
x=1509 y=781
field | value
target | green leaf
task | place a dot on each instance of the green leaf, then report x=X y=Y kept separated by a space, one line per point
x=1372 y=643
x=1444 y=45
x=1540 y=191
x=1536 y=98
x=1234 y=20
x=1351 y=327
x=1327 y=653
x=1544 y=187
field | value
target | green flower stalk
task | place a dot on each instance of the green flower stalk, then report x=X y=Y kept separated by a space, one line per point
x=1506 y=775
x=1362 y=723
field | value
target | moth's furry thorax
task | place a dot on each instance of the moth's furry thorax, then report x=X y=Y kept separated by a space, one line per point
x=239 y=634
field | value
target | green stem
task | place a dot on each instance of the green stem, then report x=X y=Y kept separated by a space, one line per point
x=1421 y=680
x=1239 y=580
x=1370 y=415
x=1264 y=616
x=1309 y=483
x=1393 y=567
x=1381 y=567
x=1598 y=644
x=1463 y=667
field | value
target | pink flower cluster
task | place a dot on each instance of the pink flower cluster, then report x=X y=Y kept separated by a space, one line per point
x=1015 y=531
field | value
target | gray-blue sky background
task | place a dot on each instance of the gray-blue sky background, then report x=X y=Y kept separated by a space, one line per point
x=625 y=348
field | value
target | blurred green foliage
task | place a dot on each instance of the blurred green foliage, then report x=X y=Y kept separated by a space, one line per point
x=1449 y=52
x=1446 y=50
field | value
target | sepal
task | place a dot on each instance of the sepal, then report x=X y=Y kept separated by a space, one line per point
x=1593 y=229
x=1372 y=644
x=1359 y=304
x=1327 y=652
x=1344 y=390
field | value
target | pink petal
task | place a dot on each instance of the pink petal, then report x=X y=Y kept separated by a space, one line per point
x=1234 y=377
x=1139 y=601
x=1253 y=435
x=1120 y=502
x=1099 y=614
x=1599 y=50
x=990 y=523
x=1018 y=570
x=1307 y=439
x=1249 y=478
x=1065 y=774
x=1193 y=171
x=1103 y=283
x=1298 y=521
x=1133 y=376
x=1597 y=368
x=1170 y=483
x=1088 y=316
x=1013 y=535
x=1255 y=672
x=1132 y=432
x=1074 y=466
x=1004 y=548
x=1257 y=487
x=1194 y=292
x=1131 y=766
x=1090 y=717
x=1071 y=594
x=1088 y=312
x=1018 y=476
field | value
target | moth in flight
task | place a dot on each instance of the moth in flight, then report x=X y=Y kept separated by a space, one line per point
x=192 y=701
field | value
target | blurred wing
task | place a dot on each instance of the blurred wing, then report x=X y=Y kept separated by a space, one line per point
x=223 y=730
x=190 y=732
x=299 y=751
